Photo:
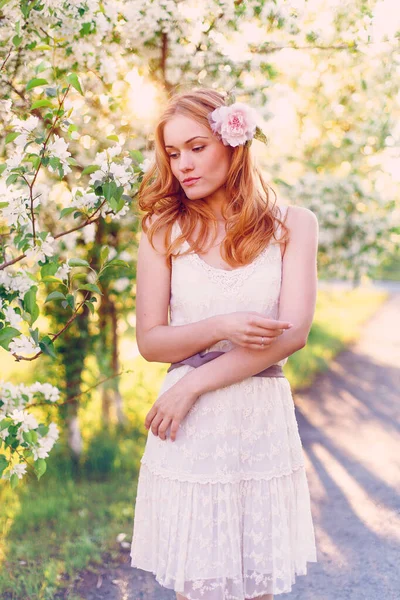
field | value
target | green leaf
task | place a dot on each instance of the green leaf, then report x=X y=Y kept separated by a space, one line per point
x=113 y=137
x=10 y=137
x=43 y=66
x=41 y=103
x=14 y=480
x=42 y=430
x=47 y=346
x=74 y=81
x=27 y=435
x=3 y=3
x=11 y=179
x=17 y=39
x=55 y=296
x=104 y=254
x=117 y=262
x=71 y=301
x=3 y=463
x=6 y=335
x=78 y=262
x=5 y=423
x=30 y=304
x=48 y=269
x=3 y=204
x=3 y=167
x=40 y=467
x=136 y=155
x=43 y=47
x=91 y=287
x=35 y=335
x=52 y=279
x=260 y=135
x=90 y=169
x=79 y=276
x=109 y=190
x=35 y=83
x=67 y=211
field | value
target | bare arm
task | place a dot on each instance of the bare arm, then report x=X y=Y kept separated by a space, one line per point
x=157 y=340
x=296 y=304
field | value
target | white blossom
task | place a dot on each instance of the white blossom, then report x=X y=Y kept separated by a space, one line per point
x=50 y=392
x=18 y=282
x=89 y=233
x=62 y=272
x=24 y=345
x=59 y=149
x=13 y=317
x=146 y=164
x=121 y=284
x=18 y=469
x=26 y=126
x=41 y=249
x=24 y=419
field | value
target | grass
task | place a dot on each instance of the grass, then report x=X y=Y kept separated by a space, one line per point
x=54 y=529
x=69 y=520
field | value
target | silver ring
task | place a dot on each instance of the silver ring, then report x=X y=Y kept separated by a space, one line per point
x=262 y=341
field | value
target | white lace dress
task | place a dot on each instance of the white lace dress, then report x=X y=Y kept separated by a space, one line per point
x=223 y=512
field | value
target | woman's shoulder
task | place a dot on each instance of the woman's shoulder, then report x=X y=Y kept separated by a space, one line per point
x=158 y=237
x=293 y=214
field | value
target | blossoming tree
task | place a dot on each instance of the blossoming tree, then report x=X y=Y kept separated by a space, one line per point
x=74 y=154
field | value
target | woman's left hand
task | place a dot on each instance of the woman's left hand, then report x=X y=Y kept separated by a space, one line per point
x=170 y=409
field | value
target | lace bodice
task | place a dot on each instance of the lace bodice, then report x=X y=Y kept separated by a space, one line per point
x=199 y=290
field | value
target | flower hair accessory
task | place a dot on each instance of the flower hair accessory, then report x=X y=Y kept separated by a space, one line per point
x=236 y=124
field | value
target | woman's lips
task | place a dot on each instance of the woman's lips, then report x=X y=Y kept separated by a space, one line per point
x=191 y=181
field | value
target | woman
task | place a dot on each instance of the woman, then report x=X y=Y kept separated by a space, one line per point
x=222 y=507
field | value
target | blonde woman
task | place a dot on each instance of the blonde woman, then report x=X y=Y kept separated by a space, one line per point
x=226 y=291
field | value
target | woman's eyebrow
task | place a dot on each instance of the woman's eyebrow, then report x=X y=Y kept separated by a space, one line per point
x=191 y=139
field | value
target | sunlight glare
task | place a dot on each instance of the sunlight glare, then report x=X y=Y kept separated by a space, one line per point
x=142 y=96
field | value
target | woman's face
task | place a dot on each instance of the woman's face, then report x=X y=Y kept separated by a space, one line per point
x=198 y=160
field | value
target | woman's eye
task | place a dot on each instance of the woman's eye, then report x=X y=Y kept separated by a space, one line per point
x=197 y=148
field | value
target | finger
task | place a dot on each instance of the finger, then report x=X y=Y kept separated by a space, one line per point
x=283 y=324
x=155 y=424
x=163 y=428
x=259 y=332
x=266 y=322
x=174 y=429
x=259 y=346
x=257 y=339
x=150 y=416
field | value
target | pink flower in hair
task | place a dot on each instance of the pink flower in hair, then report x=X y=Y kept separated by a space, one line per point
x=234 y=124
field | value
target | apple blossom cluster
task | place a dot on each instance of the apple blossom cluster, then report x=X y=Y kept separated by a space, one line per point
x=15 y=421
x=345 y=218
x=23 y=345
x=15 y=282
x=120 y=173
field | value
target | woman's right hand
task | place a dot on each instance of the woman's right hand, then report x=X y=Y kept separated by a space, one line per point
x=247 y=328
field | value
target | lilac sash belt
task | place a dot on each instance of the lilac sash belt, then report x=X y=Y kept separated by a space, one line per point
x=200 y=359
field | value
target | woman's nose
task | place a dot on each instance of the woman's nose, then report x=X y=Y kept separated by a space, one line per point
x=185 y=162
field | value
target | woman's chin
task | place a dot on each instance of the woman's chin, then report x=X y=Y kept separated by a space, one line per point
x=194 y=194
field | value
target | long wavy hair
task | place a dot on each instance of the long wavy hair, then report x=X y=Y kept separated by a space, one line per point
x=252 y=217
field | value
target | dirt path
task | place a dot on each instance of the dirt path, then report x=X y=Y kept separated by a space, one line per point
x=349 y=422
